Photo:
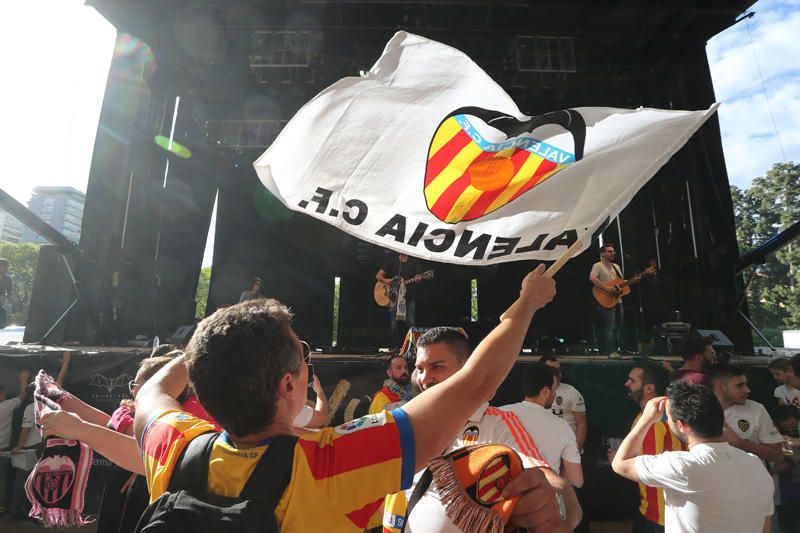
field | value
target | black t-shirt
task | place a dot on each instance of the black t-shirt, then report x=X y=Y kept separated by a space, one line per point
x=406 y=270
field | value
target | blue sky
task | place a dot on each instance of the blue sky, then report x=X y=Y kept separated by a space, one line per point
x=58 y=53
x=770 y=41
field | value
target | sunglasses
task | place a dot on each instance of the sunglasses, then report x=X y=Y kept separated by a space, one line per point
x=132 y=385
x=306 y=354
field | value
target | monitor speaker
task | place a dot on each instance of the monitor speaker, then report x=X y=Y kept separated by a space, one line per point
x=720 y=340
x=182 y=335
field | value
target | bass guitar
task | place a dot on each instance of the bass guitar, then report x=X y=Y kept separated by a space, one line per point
x=386 y=294
x=620 y=287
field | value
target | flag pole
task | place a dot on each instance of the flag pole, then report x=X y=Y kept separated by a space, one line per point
x=550 y=272
x=561 y=261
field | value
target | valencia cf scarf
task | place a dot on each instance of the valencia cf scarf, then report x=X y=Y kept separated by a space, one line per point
x=470 y=482
x=57 y=484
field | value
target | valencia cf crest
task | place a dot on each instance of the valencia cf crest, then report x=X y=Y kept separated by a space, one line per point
x=480 y=160
x=559 y=400
x=743 y=424
x=53 y=478
x=471 y=435
x=492 y=479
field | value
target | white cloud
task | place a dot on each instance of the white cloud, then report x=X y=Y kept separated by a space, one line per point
x=748 y=134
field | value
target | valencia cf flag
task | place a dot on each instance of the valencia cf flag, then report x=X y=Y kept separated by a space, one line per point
x=426 y=155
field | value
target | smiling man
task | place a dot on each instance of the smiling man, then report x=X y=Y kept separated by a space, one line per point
x=441 y=353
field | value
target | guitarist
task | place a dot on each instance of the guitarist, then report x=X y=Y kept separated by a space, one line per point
x=610 y=326
x=402 y=306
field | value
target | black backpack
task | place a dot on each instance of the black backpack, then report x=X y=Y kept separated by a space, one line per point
x=188 y=507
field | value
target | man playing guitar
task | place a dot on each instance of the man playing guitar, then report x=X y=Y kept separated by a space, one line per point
x=610 y=326
x=402 y=308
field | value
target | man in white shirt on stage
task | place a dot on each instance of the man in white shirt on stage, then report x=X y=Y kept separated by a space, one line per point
x=569 y=403
x=748 y=426
x=713 y=486
x=552 y=434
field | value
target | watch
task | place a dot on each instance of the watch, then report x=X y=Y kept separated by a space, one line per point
x=562 y=506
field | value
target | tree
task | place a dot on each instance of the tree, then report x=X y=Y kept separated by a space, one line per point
x=23 y=257
x=202 y=292
x=769 y=206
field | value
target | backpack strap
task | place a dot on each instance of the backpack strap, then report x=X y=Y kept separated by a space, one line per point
x=191 y=469
x=272 y=474
x=419 y=489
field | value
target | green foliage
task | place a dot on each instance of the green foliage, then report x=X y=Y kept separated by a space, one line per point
x=769 y=206
x=202 y=292
x=23 y=257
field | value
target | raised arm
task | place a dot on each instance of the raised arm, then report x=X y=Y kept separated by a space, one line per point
x=118 y=448
x=438 y=414
x=158 y=394
x=624 y=462
x=381 y=276
x=88 y=413
x=62 y=373
x=321 y=410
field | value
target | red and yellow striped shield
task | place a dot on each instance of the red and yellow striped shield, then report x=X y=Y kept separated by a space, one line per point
x=492 y=479
x=469 y=176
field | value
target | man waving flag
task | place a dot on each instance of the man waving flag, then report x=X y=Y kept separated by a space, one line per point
x=425 y=154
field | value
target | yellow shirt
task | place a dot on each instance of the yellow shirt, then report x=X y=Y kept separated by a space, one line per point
x=339 y=475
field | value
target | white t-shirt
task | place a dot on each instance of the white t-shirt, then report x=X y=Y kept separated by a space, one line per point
x=788 y=396
x=6 y=415
x=553 y=436
x=486 y=425
x=752 y=422
x=713 y=487
x=568 y=402
x=28 y=421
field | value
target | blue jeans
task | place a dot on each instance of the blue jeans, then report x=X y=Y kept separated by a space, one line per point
x=610 y=328
x=399 y=328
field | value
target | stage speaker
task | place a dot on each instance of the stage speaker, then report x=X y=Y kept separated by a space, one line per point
x=51 y=297
x=721 y=341
x=182 y=335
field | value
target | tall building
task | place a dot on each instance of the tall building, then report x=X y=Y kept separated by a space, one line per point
x=61 y=207
x=10 y=228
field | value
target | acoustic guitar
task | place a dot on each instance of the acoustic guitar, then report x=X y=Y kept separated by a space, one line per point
x=386 y=294
x=620 y=287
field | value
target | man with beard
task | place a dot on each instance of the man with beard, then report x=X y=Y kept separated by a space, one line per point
x=747 y=423
x=396 y=388
x=712 y=486
x=644 y=383
x=441 y=352
x=698 y=356
x=553 y=435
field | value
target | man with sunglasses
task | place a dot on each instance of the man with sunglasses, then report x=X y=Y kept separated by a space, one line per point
x=246 y=365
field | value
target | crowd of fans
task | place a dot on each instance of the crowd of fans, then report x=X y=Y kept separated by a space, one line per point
x=222 y=431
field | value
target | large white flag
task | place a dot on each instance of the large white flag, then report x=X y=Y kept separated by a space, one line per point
x=425 y=154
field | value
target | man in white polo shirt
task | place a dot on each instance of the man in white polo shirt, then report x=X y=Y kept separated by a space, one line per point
x=552 y=434
x=712 y=487
x=441 y=352
x=747 y=423
x=569 y=403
